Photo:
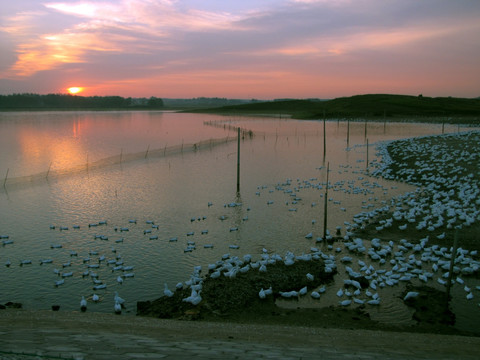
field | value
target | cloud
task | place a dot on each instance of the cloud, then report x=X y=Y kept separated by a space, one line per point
x=151 y=14
x=133 y=26
x=139 y=40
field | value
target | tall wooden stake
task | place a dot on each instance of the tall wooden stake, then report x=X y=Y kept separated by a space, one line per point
x=48 y=171
x=146 y=153
x=325 y=208
x=238 y=160
x=366 y=165
x=348 y=132
x=384 y=121
x=6 y=176
x=324 y=137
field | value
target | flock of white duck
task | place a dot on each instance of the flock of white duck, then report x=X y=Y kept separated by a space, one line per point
x=91 y=262
x=447 y=197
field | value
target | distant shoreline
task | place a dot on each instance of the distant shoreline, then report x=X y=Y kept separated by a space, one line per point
x=372 y=107
x=456 y=120
x=85 y=109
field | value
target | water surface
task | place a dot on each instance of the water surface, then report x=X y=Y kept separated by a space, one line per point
x=188 y=191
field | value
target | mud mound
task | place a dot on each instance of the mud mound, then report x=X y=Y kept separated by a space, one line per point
x=430 y=306
x=224 y=296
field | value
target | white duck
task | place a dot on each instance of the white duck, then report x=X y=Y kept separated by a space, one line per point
x=117 y=308
x=83 y=304
x=194 y=298
x=118 y=299
x=262 y=294
x=167 y=292
x=410 y=295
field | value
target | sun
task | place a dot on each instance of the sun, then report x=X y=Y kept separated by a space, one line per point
x=75 y=90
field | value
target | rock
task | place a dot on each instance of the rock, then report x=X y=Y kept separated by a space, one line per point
x=13 y=305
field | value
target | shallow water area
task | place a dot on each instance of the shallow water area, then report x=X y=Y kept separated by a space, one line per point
x=157 y=204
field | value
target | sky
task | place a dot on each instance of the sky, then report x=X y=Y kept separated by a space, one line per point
x=264 y=49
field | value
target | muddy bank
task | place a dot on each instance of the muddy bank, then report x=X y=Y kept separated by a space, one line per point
x=237 y=301
x=225 y=297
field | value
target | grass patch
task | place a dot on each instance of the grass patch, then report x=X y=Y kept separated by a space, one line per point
x=374 y=106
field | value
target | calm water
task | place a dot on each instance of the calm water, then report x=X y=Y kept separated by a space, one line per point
x=147 y=169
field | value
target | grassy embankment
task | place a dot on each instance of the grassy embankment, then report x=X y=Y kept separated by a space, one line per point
x=374 y=107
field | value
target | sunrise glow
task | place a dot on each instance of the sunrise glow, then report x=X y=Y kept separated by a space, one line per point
x=75 y=90
x=249 y=49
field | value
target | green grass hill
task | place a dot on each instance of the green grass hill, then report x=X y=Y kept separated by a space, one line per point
x=371 y=106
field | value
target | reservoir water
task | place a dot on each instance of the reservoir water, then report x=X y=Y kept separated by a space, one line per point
x=147 y=196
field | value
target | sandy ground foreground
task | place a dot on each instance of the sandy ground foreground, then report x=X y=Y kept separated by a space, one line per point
x=66 y=335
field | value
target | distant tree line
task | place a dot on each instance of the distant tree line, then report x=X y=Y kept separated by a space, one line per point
x=204 y=102
x=64 y=101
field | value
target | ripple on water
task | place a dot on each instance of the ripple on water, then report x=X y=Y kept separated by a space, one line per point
x=392 y=311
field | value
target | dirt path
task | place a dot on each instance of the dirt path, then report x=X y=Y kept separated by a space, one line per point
x=50 y=334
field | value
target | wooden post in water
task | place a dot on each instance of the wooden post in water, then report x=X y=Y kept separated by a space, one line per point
x=348 y=132
x=384 y=121
x=366 y=165
x=238 y=160
x=324 y=138
x=48 y=171
x=365 y=134
x=6 y=176
x=452 y=262
x=146 y=153
x=325 y=207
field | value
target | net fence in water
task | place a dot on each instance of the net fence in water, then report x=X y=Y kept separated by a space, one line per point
x=119 y=159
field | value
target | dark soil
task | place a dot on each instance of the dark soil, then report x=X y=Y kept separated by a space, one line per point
x=225 y=297
x=237 y=301
x=430 y=307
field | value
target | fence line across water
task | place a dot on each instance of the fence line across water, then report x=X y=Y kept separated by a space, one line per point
x=120 y=159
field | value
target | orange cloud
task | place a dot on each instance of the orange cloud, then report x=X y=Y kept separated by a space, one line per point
x=173 y=48
x=52 y=50
x=106 y=30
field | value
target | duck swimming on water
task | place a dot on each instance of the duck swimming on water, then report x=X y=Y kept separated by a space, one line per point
x=117 y=308
x=83 y=304
x=118 y=299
